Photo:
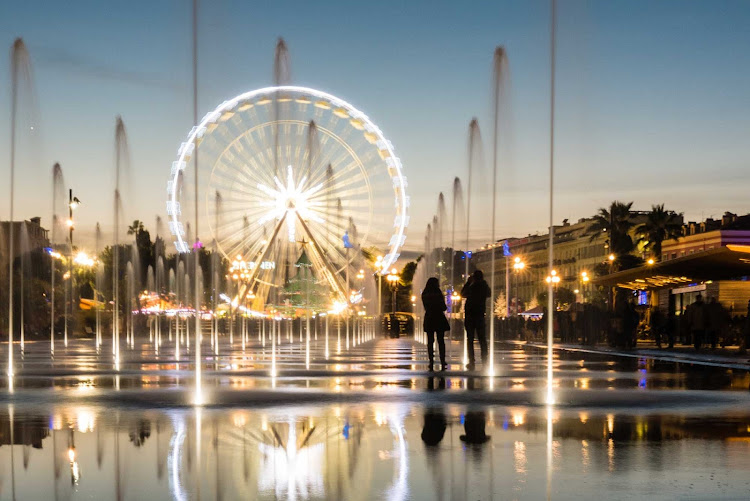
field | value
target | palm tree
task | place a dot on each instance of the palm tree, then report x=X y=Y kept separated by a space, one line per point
x=616 y=222
x=660 y=225
x=136 y=227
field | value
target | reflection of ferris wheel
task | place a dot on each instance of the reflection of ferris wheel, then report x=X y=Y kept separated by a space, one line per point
x=291 y=170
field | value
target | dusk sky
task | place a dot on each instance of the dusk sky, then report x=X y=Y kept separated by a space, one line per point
x=653 y=97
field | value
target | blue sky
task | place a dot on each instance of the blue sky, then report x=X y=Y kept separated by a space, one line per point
x=652 y=97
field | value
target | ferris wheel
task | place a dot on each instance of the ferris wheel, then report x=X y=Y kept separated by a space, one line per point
x=287 y=172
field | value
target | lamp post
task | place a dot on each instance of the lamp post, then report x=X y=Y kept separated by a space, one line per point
x=553 y=279
x=239 y=272
x=73 y=203
x=585 y=280
x=414 y=313
x=393 y=278
x=379 y=272
x=518 y=266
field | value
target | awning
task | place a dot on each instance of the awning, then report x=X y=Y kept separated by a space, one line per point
x=724 y=263
x=536 y=311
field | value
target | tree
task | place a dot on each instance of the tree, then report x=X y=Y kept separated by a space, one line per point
x=660 y=225
x=501 y=306
x=145 y=251
x=616 y=222
x=562 y=297
x=136 y=227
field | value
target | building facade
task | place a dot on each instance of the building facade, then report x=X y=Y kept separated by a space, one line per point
x=27 y=236
x=575 y=252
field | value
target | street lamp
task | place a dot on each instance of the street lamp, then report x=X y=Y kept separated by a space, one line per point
x=393 y=278
x=239 y=271
x=379 y=271
x=585 y=279
x=518 y=266
x=553 y=279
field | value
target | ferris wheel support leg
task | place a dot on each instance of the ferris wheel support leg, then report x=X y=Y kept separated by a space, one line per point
x=326 y=268
x=263 y=255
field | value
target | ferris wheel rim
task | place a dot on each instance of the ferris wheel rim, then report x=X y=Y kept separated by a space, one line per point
x=197 y=132
x=323 y=129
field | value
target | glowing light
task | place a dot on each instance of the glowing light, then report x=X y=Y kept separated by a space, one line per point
x=611 y=257
x=86 y=420
x=84 y=259
x=289 y=200
x=70 y=223
x=650 y=261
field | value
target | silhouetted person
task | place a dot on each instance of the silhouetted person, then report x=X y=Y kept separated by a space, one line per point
x=697 y=318
x=717 y=317
x=433 y=430
x=431 y=383
x=475 y=292
x=435 y=323
x=630 y=324
x=657 y=323
x=474 y=427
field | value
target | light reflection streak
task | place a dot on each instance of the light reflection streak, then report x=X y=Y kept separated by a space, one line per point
x=174 y=459
x=291 y=470
x=549 y=452
x=399 y=490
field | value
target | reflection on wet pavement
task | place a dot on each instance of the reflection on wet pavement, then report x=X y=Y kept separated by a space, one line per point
x=370 y=423
x=372 y=451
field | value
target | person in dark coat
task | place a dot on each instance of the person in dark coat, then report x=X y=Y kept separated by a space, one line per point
x=434 y=427
x=697 y=317
x=474 y=426
x=657 y=323
x=475 y=293
x=435 y=323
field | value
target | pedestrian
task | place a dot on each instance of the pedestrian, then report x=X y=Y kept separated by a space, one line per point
x=475 y=292
x=435 y=324
x=475 y=428
x=657 y=323
x=435 y=423
x=697 y=318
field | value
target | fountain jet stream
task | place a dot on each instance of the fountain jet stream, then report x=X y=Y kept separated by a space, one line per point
x=550 y=289
x=499 y=77
x=122 y=165
x=58 y=195
x=475 y=166
x=21 y=80
x=98 y=279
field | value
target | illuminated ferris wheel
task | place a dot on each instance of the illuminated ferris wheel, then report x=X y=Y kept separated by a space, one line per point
x=288 y=172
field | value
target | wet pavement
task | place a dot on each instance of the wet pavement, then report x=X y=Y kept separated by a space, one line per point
x=367 y=422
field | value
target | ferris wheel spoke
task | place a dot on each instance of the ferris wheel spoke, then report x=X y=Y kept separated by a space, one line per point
x=264 y=254
x=324 y=266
